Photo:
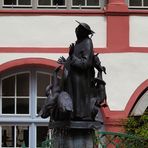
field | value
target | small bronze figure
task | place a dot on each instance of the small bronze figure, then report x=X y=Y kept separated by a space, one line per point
x=58 y=102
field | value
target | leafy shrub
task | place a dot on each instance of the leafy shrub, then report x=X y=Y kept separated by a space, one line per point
x=138 y=126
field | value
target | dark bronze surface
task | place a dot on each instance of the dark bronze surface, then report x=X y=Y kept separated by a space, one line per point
x=79 y=94
x=75 y=125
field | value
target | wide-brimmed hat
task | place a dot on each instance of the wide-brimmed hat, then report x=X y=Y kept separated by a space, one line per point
x=86 y=26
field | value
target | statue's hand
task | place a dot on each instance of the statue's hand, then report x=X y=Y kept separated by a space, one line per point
x=61 y=60
x=97 y=60
x=104 y=69
x=71 y=49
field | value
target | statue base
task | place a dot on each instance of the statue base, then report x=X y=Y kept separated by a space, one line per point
x=74 y=134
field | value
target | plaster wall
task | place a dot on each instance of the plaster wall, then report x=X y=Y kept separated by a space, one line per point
x=6 y=57
x=138 y=31
x=48 y=31
x=125 y=72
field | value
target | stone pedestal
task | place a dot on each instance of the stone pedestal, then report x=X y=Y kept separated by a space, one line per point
x=74 y=134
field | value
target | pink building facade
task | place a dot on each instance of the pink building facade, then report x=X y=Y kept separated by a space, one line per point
x=31 y=41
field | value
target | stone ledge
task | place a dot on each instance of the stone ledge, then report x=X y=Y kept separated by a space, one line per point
x=76 y=124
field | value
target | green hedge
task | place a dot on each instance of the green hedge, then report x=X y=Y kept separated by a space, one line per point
x=138 y=126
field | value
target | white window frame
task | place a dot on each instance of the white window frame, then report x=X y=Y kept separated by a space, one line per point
x=35 y=5
x=15 y=130
x=17 y=5
x=15 y=96
x=85 y=6
x=0 y=135
x=31 y=120
x=137 y=7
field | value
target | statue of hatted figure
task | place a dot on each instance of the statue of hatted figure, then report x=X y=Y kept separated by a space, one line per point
x=79 y=95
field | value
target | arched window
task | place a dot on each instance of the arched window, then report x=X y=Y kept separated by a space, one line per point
x=22 y=95
x=141 y=105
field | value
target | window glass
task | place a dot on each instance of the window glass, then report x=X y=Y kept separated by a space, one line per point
x=135 y=2
x=145 y=2
x=15 y=136
x=23 y=84
x=93 y=2
x=22 y=136
x=58 y=2
x=24 y=2
x=8 y=86
x=42 y=132
x=9 y=2
x=22 y=106
x=7 y=136
x=8 y=105
x=42 y=81
x=51 y=2
x=40 y=102
x=44 y=2
x=78 y=2
x=14 y=2
x=12 y=87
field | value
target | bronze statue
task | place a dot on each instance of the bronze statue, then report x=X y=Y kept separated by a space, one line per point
x=73 y=104
x=79 y=66
x=79 y=95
